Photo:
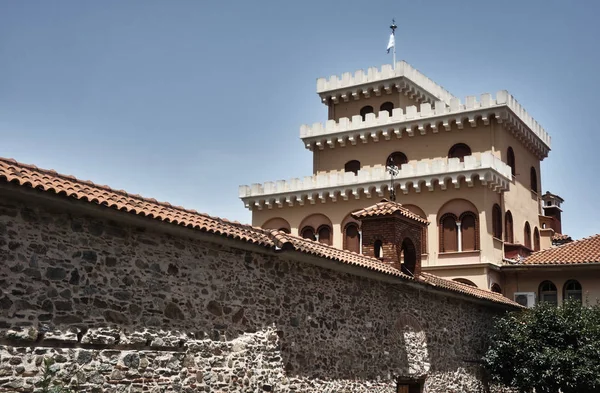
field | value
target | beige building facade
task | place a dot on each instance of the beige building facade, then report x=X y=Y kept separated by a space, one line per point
x=470 y=167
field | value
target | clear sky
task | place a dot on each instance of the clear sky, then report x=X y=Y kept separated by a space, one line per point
x=183 y=101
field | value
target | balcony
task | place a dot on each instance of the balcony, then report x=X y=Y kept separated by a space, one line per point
x=369 y=181
x=503 y=107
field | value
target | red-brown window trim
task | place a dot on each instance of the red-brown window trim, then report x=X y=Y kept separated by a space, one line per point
x=441 y=231
x=476 y=225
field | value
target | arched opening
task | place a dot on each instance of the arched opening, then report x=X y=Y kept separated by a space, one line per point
x=460 y=150
x=419 y=212
x=352 y=238
x=534 y=180
x=496 y=288
x=387 y=106
x=510 y=160
x=410 y=257
x=448 y=233
x=378 y=249
x=308 y=233
x=548 y=293
x=324 y=234
x=497 y=221
x=397 y=158
x=277 y=223
x=365 y=110
x=536 y=239
x=527 y=235
x=573 y=291
x=352 y=166
x=509 y=235
x=469 y=231
x=465 y=281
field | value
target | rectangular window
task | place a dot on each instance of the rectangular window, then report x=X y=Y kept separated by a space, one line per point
x=409 y=387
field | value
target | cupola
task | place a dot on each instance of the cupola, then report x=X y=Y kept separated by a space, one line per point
x=393 y=234
x=551 y=205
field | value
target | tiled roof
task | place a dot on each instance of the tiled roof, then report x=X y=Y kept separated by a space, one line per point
x=53 y=182
x=582 y=251
x=559 y=237
x=386 y=208
x=455 y=286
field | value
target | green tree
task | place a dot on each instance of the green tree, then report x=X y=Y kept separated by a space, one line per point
x=548 y=348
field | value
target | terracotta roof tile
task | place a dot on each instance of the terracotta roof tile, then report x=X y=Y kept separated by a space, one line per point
x=51 y=181
x=455 y=286
x=582 y=251
x=559 y=237
x=386 y=208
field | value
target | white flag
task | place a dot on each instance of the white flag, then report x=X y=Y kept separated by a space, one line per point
x=391 y=43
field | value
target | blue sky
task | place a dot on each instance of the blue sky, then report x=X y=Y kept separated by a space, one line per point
x=183 y=100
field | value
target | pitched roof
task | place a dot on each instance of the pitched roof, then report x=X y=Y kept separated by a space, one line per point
x=388 y=208
x=456 y=286
x=559 y=237
x=52 y=182
x=584 y=251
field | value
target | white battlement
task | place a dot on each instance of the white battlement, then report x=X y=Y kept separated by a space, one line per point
x=427 y=115
x=387 y=72
x=488 y=168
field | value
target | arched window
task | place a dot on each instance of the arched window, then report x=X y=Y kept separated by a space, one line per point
x=410 y=257
x=366 y=110
x=534 y=179
x=497 y=221
x=460 y=150
x=352 y=238
x=308 y=233
x=324 y=233
x=527 y=235
x=387 y=106
x=448 y=233
x=465 y=281
x=284 y=230
x=397 y=158
x=509 y=235
x=352 y=166
x=572 y=291
x=547 y=292
x=536 y=239
x=510 y=160
x=496 y=288
x=378 y=249
x=468 y=229
x=277 y=223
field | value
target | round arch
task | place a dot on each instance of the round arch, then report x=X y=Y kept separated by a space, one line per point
x=277 y=223
x=465 y=281
x=319 y=225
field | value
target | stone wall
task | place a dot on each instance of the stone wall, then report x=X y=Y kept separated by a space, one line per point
x=128 y=306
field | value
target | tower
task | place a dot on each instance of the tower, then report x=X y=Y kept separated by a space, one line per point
x=471 y=168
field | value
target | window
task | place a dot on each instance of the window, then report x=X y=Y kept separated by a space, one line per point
x=324 y=235
x=408 y=387
x=536 y=239
x=497 y=221
x=352 y=238
x=352 y=166
x=510 y=160
x=509 y=236
x=496 y=288
x=410 y=257
x=448 y=233
x=460 y=150
x=378 y=249
x=465 y=281
x=572 y=291
x=387 y=106
x=468 y=229
x=308 y=233
x=366 y=110
x=548 y=292
x=534 y=182
x=527 y=235
x=397 y=158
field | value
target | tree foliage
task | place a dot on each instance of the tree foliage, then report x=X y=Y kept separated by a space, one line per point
x=548 y=348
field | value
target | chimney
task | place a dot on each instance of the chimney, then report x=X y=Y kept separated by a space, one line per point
x=551 y=205
x=393 y=234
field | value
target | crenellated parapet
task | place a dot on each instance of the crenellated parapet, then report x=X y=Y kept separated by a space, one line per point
x=369 y=181
x=404 y=79
x=427 y=118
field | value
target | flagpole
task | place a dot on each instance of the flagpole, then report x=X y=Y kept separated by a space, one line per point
x=394 y=27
